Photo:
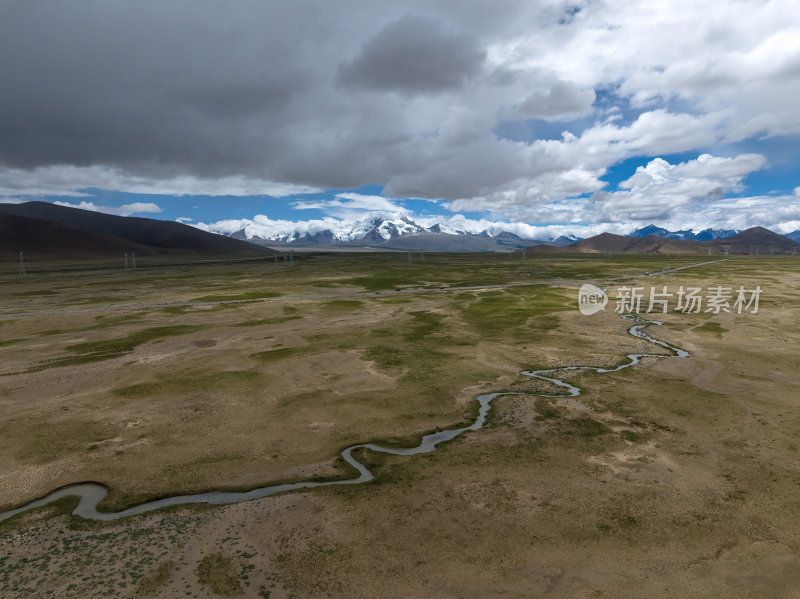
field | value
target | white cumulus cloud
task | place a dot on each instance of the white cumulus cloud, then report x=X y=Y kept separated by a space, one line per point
x=123 y=210
x=657 y=190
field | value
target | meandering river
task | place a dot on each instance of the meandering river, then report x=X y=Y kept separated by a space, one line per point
x=91 y=494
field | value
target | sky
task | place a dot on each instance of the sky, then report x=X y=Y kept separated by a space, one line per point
x=542 y=117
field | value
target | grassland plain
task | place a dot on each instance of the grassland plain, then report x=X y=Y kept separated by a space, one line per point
x=683 y=481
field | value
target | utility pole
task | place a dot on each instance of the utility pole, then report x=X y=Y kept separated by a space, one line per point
x=410 y=260
x=133 y=256
x=523 y=255
x=726 y=249
x=126 y=261
x=21 y=265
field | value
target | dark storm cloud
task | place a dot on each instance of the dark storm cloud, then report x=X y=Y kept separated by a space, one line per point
x=562 y=99
x=217 y=89
x=244 y=96
x=265 y=90
x=415 y=55
x=145 y=84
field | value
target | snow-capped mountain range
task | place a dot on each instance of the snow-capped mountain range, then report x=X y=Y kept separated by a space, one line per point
x=395 y=231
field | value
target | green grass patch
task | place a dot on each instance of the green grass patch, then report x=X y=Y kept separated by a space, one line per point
x=227 y=297
x=99 y=301
x=585 y=428
x=71 y=361
x=188 y=382
x=96 y=351
x=156 y=579
x=43 y=442
x=257 y=322
x=219 y=573
x=282 y=353
x=59 y=507
x=176 y=310
x=383 y=281
x=4 y=343
x=514 y=313
x=545 y=410
x=102 y=321
x=35 y=293
x=424 y=324
x=343 y=305
x=126 y=344
x=634 y=437
x=712 y=328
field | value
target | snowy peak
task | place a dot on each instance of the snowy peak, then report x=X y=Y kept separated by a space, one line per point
x=392 y=229
x=711 y=234
x=373 y=230
x=563 y=240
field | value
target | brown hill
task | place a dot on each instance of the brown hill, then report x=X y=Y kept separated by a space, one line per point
x=605 y=242
x=161 y=236
x=609 y=242
x=45 y=240
x=659 y=245
x=756 y=240
x=751 y=241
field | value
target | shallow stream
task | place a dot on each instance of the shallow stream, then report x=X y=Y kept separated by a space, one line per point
x=91 y=494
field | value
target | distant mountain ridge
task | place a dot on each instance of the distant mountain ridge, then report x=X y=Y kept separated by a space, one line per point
x=39 y=238
x=402 y=233
x=56 y=231
x=755 y=240
x=397 y=233
x=45 y=230
x=687 y=235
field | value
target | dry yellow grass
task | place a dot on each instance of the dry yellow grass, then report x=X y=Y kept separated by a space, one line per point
x=682 y=482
